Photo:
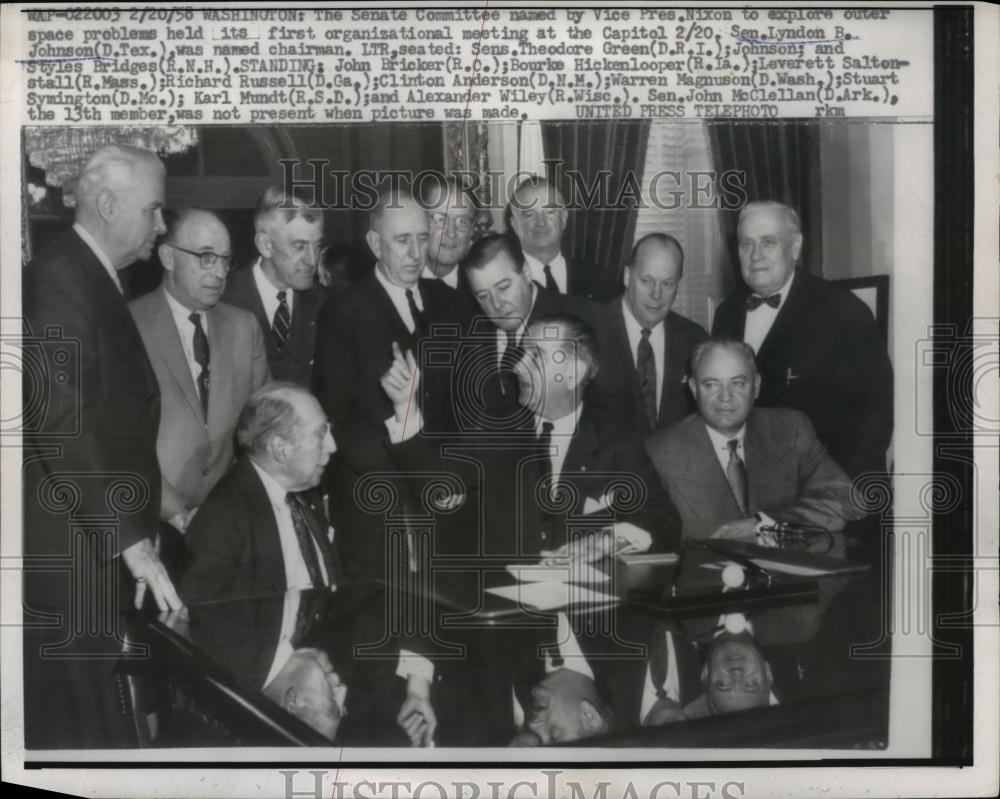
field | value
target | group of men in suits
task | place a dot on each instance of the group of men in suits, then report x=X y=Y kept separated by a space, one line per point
x=448 y=352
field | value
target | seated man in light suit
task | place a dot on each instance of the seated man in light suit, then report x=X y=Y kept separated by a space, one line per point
x=730 y=466
x=208 y=357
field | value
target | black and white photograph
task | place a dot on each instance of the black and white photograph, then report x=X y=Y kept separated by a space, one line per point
x=386 y=450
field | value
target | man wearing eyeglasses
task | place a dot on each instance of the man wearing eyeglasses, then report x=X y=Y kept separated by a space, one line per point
x=208 y=356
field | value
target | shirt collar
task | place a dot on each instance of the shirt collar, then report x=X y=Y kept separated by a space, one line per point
x=450 y=279
x=632 y=325
x=180 y=312
x=102 y=256
x=564 y=426
x=783 y=290
x=398 y=291
x=537 y=266
x=719 y=441
x=275 y=491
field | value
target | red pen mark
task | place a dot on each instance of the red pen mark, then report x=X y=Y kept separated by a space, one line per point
x=458 y=147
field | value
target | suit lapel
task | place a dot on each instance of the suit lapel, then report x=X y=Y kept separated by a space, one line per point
x=583 y=454
x=788 y=323
x=706 y=484
x=620 y=337
x=761 y=455
x=672 y=365
x=317 y=521
x=268 y=542
x=173 y=354
x=221 y=355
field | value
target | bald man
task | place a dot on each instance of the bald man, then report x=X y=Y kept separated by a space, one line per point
x=356 y=334
x=208 y=356
x=645 y=346
x=91 y=478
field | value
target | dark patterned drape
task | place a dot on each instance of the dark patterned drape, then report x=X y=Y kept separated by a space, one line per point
x=601 y=236
x=779 y=161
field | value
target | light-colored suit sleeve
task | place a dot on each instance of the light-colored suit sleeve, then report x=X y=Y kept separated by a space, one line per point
x=823 y=497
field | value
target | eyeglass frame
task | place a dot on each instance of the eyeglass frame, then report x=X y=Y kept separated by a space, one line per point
x=462 y=223
x=209 y=253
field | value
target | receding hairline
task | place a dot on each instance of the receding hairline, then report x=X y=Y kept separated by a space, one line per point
x=788 y=215
x=395 y=200
x=190 y=217
x=113 y=167
x=536 y=184
x=664 y=241
x=706 y=348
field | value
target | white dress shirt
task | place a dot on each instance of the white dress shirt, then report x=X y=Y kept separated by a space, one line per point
x=720 y=445
x=296 y=573
x=89 y=240
x=563 y=431
x=519 y=333
x=398 y=296
x=269 y=294
x=557 y=266
x=657 y=340
x=451 y=279
x=761 y=318
x=185 y=327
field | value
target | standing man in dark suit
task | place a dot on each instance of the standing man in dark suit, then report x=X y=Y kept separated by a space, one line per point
x=731 y=466
x=644 y=345
x=818 y=348
x=394 y=309
x=280 y=289
x=538 y=218
x=451 y=215
x=90 y=469
x=261 y=530
x=510 y=301
x=208 y=357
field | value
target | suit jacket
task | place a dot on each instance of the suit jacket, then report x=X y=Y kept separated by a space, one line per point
x=490 y=396
x=824 y=356
x=98 y=410
x=617 y=383
x=91 y=412
x=193 y=454
x=790 y=475
x=294 y=361
x=233 y=546
x=515 y=519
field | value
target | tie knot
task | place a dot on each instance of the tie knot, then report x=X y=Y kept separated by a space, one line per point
x=732 y=445
x=645 y=333
x=292 y=500
x=547 y=428
x=409 y=294
x=195 y=318
x=282 y=295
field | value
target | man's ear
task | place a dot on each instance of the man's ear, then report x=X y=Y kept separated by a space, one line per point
x=375 y=243
x=263 y=243
x=515 y=223
x=756 y=385
x=277 y=448
x=590 y=717
x=107 y=204
x=704 y=673
x=166 y=254
x=628 y=275
x=563 y=216
x=292 y=700
x=796 y=245
x=768 y=675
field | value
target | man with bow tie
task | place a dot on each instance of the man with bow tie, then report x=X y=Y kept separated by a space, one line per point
x=817 y=346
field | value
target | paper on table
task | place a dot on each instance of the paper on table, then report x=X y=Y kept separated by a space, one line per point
x=572 y=572
x=548 y=596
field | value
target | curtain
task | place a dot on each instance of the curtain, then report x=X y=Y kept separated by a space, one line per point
x=779 y=161
x=611 y=156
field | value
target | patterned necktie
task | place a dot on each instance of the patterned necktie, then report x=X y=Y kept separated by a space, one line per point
x=550 y=281
x=282 y=324
x=646 y=367
x=307 y=543
x=418 y=316
x=736 y=474
x=754 y=302
x=201 y=358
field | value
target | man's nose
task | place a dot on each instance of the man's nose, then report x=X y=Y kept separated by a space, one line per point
x=495 y=302
x=725 y=393
x=311 y=256
x=656 y=292
x=329 y=444
x=158 y=225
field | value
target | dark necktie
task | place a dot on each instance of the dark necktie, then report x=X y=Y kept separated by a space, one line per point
x=550 y=281
x=282 y=324
x=417 y=314
x=307 y=541
x=545 y=445
x=658 y=663
x=754 y=302
x=511 y=355
x=736 y=474
x=646 y=367
x=201 y=358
